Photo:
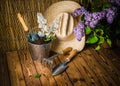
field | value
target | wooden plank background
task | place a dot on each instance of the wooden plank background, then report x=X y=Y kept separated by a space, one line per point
x=12 y=35
x=87 y=68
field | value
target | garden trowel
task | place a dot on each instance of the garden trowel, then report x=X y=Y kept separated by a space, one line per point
x=31 y=37
x=58 y=69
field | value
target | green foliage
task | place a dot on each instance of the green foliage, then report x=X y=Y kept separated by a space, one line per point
x=109 y=42
x=95 y=1
x=101 y=33
x=92 y=39
x=82 y=17
x=97 y=36
x=48 y=38
x=87 y=30
x=84 y=1
x=98 y=47
x=106 y=5
x=37 y=75
x=101 y=40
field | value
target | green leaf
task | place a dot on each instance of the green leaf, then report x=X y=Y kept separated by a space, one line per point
x=87 y=30
x=95 y=9
x=101 y=40
x=107 y=36
x=95 y=1
x=98 y=47
x=99 y=32
x=107 y=5
x=82 y=17
x=38 y=75
x=48 y=38
x=109 y=42
x=92 y=39
x=84 y=1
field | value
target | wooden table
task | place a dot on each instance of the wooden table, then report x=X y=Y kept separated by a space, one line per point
x=88 y=68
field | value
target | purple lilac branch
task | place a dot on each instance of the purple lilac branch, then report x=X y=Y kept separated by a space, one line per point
x=91 y=19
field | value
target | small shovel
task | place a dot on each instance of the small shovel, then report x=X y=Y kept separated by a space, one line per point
x=31 y=37
x=60 y=68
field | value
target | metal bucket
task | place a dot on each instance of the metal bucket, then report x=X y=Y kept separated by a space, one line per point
x=39 y=51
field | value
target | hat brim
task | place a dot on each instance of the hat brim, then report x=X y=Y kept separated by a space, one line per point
x=51 y=13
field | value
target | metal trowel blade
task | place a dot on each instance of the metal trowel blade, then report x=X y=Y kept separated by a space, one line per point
x=59 y=69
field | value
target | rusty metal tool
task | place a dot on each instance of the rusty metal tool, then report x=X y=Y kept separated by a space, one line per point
x=49 y=60
x=61 y=67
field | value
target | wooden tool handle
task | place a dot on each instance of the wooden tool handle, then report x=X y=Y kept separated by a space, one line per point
x=66 y=50
x=22 y=22
x=72 y=54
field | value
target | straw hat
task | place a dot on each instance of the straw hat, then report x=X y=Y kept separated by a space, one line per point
x=65 y=35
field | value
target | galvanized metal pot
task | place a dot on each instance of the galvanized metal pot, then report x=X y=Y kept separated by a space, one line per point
x=39 y=51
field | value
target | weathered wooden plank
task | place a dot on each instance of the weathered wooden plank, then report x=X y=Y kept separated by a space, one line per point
x=110 y=68
x=29 y=69
x=72 y=72
x=46 y=77
x=15 y=70
x=62 y=79
x=88 y=68
x=88 y=77
x=104 y=68
x=113 y=57
x=4 y=76
x=84 y=79
x=96 y=68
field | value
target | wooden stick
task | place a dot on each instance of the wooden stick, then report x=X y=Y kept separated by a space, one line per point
x=22 y=22
x=72 y=54
x=66 y=50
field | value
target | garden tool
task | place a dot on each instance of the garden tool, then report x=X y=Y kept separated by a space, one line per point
x=49 y=60
x=25 y=27
x=31 y=37
x=61 y=67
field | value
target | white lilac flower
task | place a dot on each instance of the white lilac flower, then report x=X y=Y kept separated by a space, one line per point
x=48 y=30
x=40 y=34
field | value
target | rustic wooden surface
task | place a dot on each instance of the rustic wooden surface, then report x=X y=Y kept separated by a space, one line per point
x=22 y=68
x=4 y=76
x=88 y=68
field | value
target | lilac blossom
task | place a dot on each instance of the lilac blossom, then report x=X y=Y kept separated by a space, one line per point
x=110 y=14
x=79 y=31
x=79 y=11
x=116 y=2
x=92 y=19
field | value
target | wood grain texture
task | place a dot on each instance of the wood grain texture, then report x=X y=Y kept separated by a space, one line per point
x=29 y=69
x=15 y=70
x=88 y=68
x=4 y=74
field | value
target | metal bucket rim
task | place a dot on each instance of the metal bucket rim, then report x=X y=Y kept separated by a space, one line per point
x=39 y=44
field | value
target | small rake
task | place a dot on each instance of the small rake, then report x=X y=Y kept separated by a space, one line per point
x=49 y=61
